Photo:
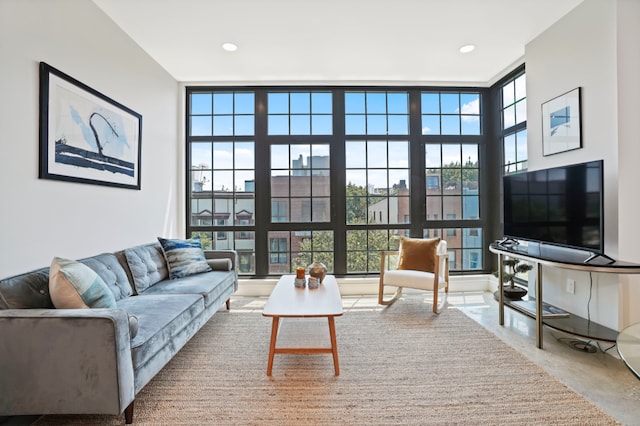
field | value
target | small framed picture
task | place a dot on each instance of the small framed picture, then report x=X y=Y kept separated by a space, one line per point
x=561 y=123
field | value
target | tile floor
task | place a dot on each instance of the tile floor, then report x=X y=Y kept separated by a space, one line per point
x=600 y=376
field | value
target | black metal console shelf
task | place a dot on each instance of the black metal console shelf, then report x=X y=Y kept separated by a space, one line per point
x=557 y=257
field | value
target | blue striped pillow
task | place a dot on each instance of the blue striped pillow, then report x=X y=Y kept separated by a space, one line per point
x=184 y=257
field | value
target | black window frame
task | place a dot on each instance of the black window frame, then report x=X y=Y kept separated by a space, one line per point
x=488 y=148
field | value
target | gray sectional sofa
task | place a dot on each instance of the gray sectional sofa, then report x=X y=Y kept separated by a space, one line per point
x=85 y=361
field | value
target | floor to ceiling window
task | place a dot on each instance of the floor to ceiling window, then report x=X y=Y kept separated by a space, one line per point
x=290 y=175
x=514 y=122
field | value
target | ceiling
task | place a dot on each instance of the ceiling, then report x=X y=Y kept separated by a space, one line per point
x=336 y=41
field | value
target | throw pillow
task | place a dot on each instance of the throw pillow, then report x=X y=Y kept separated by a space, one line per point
x=418 y=254
x=184 y=257
x=73 y=285
x=220 y=264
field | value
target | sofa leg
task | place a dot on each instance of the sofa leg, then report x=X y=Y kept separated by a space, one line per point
x=228 y=303
x=128 y=413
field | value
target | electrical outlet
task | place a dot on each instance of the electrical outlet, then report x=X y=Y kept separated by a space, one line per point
x=571 y=286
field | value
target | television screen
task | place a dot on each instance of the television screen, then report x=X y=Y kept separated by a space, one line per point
x=561 y=205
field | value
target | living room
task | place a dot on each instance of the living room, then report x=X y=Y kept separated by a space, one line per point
x=592 y=47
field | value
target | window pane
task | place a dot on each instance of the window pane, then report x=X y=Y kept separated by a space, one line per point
x=521 y=87
x=244 y=125
x=300 y=103
x=399 y=154
x=430 y=103
x=222 y=125
x=278 y=124
x=201 y=103
x=223 y=155
x=200 y=126
x=354 y=103
x=433 y=157
x=470 y=155
x=509 y=117
x=355 y=125
x=376 y=103
x=470 y=125
x=398 y=125
x=244 y=103
x=470 y=103
x=300 y=125
x=201 y=155
x=223 y=103
x=278 y=103
x=376 y=124
x=507 y=94
x=321 y=103
x=510 y=149
x=398 y=103
x=449 y=103
x=521 y=111
x=355 y=154
x=279 y=156
x=450 y=125
x=321 y=125
x=521 y=138
x=244 y=155
x=430 y=124
x=377 y=154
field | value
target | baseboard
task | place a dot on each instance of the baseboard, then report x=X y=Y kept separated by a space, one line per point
x=367 y=286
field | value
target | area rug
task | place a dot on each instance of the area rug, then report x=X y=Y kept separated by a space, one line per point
x=398 y=365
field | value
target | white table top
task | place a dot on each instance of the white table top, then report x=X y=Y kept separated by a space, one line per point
x=286 y=300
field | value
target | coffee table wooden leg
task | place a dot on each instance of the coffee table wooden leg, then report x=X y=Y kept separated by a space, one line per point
x=272 y=344
x=334 y=345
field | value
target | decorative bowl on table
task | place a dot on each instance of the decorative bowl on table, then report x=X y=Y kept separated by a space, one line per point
x=318 y=270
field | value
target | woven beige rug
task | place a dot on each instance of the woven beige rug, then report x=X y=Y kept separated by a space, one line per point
x=400 y=365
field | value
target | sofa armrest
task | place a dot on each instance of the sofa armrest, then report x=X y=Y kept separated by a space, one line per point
x=224 y=254
x=59 y=361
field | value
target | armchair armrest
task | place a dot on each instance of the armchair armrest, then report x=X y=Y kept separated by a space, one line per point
x=60 y=361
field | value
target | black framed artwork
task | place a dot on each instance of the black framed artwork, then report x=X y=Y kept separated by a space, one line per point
x=561 y=123
x=86 y=136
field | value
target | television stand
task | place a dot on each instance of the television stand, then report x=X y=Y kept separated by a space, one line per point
x=556 y=259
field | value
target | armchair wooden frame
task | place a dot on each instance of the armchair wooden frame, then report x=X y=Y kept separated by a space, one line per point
x=435 y=281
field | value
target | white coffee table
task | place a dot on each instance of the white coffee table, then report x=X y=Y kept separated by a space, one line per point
x=287 y=301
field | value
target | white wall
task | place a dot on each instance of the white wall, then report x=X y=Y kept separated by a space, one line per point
x=581 y=50
x=39 y=218
x=628 y=56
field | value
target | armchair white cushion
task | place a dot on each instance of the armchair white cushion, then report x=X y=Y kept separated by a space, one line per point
x=434 y=277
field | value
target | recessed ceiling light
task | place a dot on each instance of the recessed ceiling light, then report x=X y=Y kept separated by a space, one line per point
x=467 y=48
x=229 y=47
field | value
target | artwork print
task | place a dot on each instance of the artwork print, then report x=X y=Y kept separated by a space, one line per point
x=561 y=123
x=85 y=136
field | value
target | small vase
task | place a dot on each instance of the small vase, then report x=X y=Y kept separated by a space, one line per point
x=318 y=270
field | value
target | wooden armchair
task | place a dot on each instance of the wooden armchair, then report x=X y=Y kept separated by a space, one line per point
x=420 y=264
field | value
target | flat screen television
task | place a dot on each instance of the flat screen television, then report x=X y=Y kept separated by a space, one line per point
x=561 y=206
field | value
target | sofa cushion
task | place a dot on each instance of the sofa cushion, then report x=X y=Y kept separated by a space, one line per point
x=112 y=273
x=147 y=265
x=160 y=317
x=74 y=285
x=210 y=285
x=26 y=291
x=184 y=257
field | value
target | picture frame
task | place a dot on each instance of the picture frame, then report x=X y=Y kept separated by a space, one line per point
x=85 y=136
x=561 y=126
